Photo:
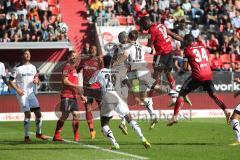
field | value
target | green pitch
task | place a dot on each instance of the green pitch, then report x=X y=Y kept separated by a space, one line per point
x=199 y=139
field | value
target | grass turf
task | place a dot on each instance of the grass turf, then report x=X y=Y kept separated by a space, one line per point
x=199 y=139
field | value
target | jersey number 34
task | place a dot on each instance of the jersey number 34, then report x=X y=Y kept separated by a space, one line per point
x=201 y=54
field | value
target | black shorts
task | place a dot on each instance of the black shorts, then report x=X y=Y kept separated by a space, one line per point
x=163 y=62
x=92 y=94
x=190 y=85
x=69 y=104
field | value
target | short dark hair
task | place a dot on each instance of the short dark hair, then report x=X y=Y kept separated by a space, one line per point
x=107 y=60
x=188 y=39
x=24 y=51
x=133 y=35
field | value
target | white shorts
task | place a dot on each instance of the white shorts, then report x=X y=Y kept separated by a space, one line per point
x=145 y=81
x=27 y=102
x=238 y=108
x=113 y=102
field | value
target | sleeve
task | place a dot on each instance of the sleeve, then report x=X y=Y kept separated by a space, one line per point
x=14 y=73
x=153 y=35
x=147 y=50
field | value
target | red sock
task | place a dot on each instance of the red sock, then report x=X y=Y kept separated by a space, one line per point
x=89 y=119
x=75 y=124
x=219 y=102
x=178 y=105
x=59 y=126
x=172 y=82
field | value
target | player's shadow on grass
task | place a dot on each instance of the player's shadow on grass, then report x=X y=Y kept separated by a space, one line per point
x=184 y=144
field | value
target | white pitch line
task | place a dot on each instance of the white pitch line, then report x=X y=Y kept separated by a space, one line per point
x=101 y=149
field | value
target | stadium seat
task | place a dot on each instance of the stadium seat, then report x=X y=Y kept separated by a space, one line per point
x=225 y=58
x=52 y=2
x=122 y=20
x=237 y=58
x=54 y=10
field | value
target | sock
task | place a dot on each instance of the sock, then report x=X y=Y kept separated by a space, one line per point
x=89 y=119
x=219 y=102
x=172 y=82
x=123 y=120
x=136 y=128
x=149 y=105
x=236 y=128
x=38 y=125
x=108 y=133
x=59 y=127
x=75 y=124
x=178 y=105
x=26 y=126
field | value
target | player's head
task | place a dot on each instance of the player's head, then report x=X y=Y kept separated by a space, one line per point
x=72 y=56
x=188 y=40
x=107 y=61
x=133 y=35
x=123 y=37
x=145 y=22
x=25 y=55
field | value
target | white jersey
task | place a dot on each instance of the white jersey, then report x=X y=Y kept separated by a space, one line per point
x=110 y=80
x=136 y=56
x=2 y=70
x=24 y=75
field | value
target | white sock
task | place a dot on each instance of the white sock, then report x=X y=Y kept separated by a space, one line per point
x=149 y=105
x=38 y=125
x=109 y=134
x=236 y=128
x=26 y=126
x=123 y=121
x=136 y=128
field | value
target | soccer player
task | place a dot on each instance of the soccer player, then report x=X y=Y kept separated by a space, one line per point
x=69 y=95
x=110 y=81
x=235 y=119
x=90 y=64
x=163 y=58
x=196 y=56
x=3 y=73
x=135 y=55
x=25 y=76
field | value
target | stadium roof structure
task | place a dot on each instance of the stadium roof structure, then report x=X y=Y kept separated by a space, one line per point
x=35 y=45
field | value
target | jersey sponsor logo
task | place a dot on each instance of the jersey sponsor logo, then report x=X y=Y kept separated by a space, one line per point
x=108 y=36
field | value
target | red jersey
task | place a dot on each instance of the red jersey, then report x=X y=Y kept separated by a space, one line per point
x=160 y=39
x=89 y=66
x=197 y=56
x=70 y=72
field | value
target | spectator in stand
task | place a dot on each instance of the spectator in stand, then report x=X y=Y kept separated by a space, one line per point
x=163 y=4
x=95 y=6
x=237 y=67
x=212 y=15
x=33 y=14
x=234 y=45
x=197 y=12
x=229 y=30
x=42 y=8
x=99 y=16
x=195 y=30
x=108 y=4
x=31 y=4
x=22 y=12
x=122 y=7
x=22 y=21
x=178 y=61
x=178 y=14
x=216 y=63
x=2 y=14
x=236 y=20
x=212 y=44
x=155 y=14
x=5 y=38
x=187 y=7
x=27 y=37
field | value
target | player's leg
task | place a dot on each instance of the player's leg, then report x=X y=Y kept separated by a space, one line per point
x=33 y=102
x=89 y=117
x=64 y=108
x=188 y=86
x=123 y=110
x=235 y=124
x=24 y=104
x=209 y=87
x=157 y=68
x=75 y=124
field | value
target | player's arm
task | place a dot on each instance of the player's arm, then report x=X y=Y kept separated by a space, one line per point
x=14 y=85
x=174 y=35
x=148 y=50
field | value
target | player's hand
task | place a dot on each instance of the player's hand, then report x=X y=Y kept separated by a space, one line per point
x=84 y=99
x=20 y=92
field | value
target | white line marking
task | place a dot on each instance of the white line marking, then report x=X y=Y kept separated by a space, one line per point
x=101 y=149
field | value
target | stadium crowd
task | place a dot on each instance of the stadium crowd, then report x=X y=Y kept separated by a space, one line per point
x=215 y=23
x=30 y=20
